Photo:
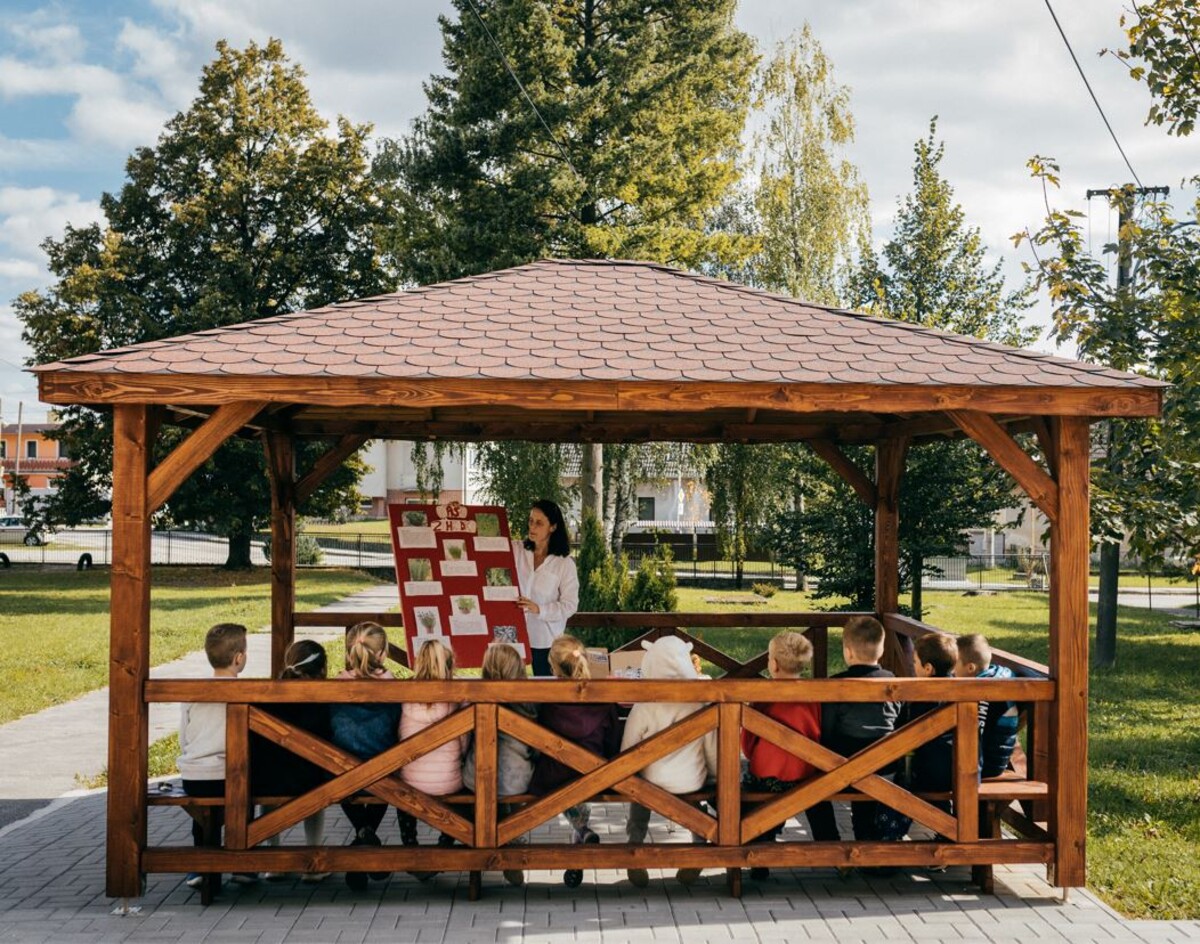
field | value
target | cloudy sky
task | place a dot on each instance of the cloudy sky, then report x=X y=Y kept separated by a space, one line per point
x=83 y=82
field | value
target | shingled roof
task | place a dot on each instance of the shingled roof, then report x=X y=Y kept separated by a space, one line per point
x=596 y=320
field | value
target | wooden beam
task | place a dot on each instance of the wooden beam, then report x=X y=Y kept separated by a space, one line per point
x=1035 y=482
x=81 y=387
x=889 y=468
x=1069 y=545
x=326 y=465
x=129 y=653
x=194 y=451
x=851 y=474
x=281 y=471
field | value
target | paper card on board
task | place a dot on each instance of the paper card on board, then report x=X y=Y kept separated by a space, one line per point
x=416 y=537
x=423 y=588
x=459 y=568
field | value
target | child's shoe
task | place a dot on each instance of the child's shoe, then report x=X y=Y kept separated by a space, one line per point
x=244 y=878
x=193 y=880
x=312 y=878
x=358 y=880
x=687 y=877
x=639 y=877
x=515 y=877
x=573 y=878
x=760 y=873
x=408 y=828
x=369 y=838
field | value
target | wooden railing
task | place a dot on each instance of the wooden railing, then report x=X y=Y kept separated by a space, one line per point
x=736 y=819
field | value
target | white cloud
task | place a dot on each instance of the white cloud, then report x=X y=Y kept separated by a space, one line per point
x=29 y=214
x=50 y=40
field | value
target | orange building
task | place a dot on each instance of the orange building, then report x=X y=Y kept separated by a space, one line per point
x=32 y=456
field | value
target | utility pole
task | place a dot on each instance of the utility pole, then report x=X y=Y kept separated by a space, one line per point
x=1110 y=551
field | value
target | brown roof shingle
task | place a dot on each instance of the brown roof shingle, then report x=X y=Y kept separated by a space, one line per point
x=597 y=320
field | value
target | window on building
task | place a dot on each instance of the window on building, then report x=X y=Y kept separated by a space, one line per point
x=3 y=449
x=646 y=509
x=31 y=449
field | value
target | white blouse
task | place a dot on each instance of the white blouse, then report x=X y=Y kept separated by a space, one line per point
x=554 y=587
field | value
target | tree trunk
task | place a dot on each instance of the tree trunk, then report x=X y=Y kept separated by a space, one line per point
x=917 y=564
x=591 y=480
x=1106 y=605
x=239 y=550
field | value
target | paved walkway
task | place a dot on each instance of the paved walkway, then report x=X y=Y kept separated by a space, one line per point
x=52 y=881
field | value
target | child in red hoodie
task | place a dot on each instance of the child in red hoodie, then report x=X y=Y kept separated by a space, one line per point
x=771 y=768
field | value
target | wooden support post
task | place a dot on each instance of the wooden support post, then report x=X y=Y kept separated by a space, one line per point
x=1069 y=546
x=129 y=652
x=281 y=470
x=889 y=468
x=966 y=771
x=729 y=786
x=237 y=776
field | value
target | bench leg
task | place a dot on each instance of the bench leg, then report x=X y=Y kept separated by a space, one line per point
x=989 y=825
x=733 y=878
x=474 y=886
x=210 y=837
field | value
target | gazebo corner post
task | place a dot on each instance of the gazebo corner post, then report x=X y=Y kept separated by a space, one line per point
x=1068 y=662
x=889 y=469
x=281 y=470
x=129 y=651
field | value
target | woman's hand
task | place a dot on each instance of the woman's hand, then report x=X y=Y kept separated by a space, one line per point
x=528 y=605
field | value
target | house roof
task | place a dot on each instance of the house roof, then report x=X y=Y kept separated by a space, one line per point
x=596 y=350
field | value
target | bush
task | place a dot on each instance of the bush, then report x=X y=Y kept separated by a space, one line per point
x=764 y=590
x=308 y=549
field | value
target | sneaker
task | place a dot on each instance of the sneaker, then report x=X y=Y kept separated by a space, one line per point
x=686 y=877
x=573 y=878
x=584 y=837
x=516 y=878
x=408 y=829
x=244 y=878
x=312 y=878
x=357 y=881
x=193 y=880
x=639 y=877
x=276 y=876
x=760 y=873
x=445 y=841
x=845 y=871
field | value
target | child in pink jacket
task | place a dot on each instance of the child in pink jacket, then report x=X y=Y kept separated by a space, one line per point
x=440 y=771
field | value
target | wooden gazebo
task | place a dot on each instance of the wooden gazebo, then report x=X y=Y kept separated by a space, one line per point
x=598 y=351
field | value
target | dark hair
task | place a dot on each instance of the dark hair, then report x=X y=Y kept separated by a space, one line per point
x=223 y=642
x=560 y=541
x=305 y=659
x=940 y=651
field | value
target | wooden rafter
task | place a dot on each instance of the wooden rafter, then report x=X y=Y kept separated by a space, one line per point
x=1036 y=482
x=326 y=465
x=850 y=473
x=194 y=451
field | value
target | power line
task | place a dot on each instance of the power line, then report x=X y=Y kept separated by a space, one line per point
x=1088 y=84
x=507 y=65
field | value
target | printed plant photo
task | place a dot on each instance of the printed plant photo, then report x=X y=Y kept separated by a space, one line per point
x=465 y=605
x=416 y=519
x=420 y=568
x=455 y=548
x=499 y=577
x=506 y=634
x=429 y=620
x=487 y=525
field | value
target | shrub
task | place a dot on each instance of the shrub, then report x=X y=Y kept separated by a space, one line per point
x=764 y=590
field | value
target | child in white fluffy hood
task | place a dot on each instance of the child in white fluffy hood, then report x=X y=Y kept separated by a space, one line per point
x=684 y=770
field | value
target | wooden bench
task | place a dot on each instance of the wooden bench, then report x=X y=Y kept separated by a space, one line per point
x=996 y=796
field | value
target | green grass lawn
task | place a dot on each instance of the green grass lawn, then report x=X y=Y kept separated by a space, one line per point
x=54 y=623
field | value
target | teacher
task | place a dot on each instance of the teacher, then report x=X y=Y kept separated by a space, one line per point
x=547 y=581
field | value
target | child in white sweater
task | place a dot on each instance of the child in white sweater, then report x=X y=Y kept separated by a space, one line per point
x=682 y=771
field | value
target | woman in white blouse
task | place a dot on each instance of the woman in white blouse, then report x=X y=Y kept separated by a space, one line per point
x=547 y=580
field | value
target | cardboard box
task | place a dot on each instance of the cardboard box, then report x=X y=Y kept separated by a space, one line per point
x=627 y=664
x=597 y=659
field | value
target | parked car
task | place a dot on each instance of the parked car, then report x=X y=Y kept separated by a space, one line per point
x=13 y=531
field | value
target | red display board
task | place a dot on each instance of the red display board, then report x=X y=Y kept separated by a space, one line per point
x=457 y=578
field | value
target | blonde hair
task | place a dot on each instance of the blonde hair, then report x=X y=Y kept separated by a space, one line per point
x=434 y=662
x=223 y=642
x=791 y=651
x=366 y=649
x=939 y=651
x=568 y=658
x=975 y=649
x=304 y=659
x=502 y=661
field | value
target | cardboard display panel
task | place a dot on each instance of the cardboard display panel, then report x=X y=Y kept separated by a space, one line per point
x=457 y=578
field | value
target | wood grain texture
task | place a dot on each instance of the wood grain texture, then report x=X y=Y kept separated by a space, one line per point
x=915 y=629
x=281 y=473
x=486 y=770
x=851 y=474
x=619 y=691
x=73 y=386
x=237 y=776
x=966 y=770
x=129 y=652
x=1033 y=480
x=1069 y=546
x=889 y=469
x=729 y=775
x=194 y=451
